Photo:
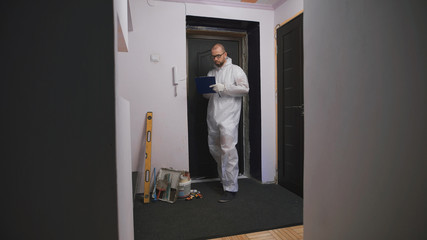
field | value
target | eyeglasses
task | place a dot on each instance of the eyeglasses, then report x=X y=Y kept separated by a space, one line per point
x=217 y=56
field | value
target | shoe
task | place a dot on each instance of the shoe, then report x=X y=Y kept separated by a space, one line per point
x=227 y=197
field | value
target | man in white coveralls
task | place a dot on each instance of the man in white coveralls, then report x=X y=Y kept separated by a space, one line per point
x=223 y=115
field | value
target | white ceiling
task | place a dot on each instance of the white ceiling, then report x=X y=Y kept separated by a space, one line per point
x=259 y=4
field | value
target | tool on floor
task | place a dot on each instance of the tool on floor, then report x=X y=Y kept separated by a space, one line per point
x=168 y=184
x=168 y=188
x=161 y=187
x=138 y=192
x=184 y=185
x=194 y=194
x=154 y=196
x=149 y=120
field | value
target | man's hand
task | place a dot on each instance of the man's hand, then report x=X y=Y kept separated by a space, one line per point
x=219 y=87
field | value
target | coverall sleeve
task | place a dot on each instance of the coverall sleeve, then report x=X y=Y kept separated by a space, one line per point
x=240 y=86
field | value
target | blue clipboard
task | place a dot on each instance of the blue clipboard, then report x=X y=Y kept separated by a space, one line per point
x=203 y=83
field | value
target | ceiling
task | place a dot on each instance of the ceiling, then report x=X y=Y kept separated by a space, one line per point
x=259 y=4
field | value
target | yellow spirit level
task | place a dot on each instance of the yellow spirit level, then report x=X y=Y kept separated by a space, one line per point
x=149 y=120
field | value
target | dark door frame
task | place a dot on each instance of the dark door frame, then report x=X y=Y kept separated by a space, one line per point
x=252 y=31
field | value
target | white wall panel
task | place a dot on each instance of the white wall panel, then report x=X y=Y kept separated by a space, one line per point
x=158 y=29
x=366 y=135
x=124 y=170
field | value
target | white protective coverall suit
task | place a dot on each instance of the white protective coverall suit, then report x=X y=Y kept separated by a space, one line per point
x=223 y=115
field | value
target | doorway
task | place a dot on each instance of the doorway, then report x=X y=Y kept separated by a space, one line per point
x=199 y=43
x=237 y=37
x=290 y=105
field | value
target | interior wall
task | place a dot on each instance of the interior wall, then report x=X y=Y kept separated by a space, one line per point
x=287 y=10
x=124 y=170
x=159 y=32
x=123 y=135
x=121 y=18
x=159 y=29
x=365 y=95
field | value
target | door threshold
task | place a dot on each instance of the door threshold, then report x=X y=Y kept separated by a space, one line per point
x=199 y=180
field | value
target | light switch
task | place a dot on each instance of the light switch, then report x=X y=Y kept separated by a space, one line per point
x=155 y=58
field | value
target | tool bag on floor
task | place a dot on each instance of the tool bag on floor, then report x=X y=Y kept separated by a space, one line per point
x=167 y=184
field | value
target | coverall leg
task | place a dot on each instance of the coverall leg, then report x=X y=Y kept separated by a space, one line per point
x=222 y=140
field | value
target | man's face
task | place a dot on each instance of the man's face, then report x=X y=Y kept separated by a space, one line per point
x=218 y=56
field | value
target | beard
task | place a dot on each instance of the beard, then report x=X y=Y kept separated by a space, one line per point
x=219 y=63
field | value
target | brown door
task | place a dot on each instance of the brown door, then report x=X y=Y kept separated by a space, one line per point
x=290 y=105
x=202 y=165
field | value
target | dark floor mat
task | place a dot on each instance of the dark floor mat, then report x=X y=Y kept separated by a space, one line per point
x=256 y=207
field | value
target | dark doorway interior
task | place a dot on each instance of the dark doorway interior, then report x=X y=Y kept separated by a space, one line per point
x=290 y=105
x=254 y=132
x=202 y=165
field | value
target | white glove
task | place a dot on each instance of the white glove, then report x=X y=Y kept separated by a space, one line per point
x=219 y=87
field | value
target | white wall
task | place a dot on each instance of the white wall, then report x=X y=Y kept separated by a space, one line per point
x=124 y=170
x=121 y=18
x=123 y=136
x=160 y=29
x=287 y=11
x=365 y=131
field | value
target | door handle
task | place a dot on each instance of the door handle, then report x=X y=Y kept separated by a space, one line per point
x=298 y=107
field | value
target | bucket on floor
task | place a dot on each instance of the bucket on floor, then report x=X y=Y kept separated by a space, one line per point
x=184 y=189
